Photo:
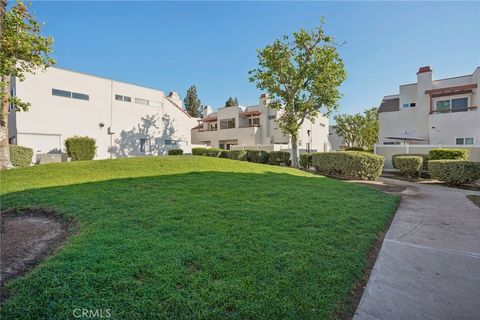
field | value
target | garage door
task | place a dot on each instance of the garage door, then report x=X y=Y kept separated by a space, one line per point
x=40 y=142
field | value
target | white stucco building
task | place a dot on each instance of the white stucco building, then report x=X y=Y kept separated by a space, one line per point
x=431 y=113
x=443 y=111
x=125 y=119
x=255 y=127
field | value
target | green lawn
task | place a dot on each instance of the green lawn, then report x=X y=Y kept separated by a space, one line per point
x=195 y=238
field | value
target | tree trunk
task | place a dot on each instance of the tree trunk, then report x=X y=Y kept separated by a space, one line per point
x=295 y=153
x=4 y=144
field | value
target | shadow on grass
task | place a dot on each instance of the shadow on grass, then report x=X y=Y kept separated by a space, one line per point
x=210 y=245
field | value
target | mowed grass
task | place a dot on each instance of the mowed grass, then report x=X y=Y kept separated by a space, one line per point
x=195 y=238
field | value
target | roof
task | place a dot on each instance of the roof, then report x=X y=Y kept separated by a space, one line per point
x=389 y=105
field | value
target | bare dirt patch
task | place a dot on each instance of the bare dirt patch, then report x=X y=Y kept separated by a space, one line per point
x=27 y=237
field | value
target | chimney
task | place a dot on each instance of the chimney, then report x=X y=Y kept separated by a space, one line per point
x=206 y=111
x=175 y=98
x=263 y=99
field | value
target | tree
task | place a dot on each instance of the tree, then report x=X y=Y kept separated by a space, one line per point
x=192 y=102
x=231 y=102
x=302 y=77
x=23 y=50
x=358 y=130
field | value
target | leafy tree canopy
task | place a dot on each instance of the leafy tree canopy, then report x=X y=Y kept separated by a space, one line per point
x=358 y=130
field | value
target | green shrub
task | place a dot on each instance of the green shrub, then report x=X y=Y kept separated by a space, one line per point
x=20 y=156
x=454 y=172
x=80 y=148
x=198 y=151
x=279 y=157
x=257 y=156
x=409 y=166
x=448 y=154
x=175 y=152
x=424 y=157
x=350 y=164
x=306 y=160
x=224 y=154
x=213 y=152
x=354 y=149
x=237 y=155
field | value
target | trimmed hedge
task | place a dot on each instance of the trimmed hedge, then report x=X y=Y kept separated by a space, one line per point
x=209 y=152
x=175 y=152
x=80 y=148
x=198 y=151
x=409 y=166
x=448 y=154
x=20 y=156
x=424 y=157
x=454 y=172
x=237 y=155
x=350 y=164
x=306 y=160
x=279 y=157
x=354 y=149
x=257 y=156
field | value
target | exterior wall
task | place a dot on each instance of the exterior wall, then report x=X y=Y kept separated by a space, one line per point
x=336 y=142
x=52 y=119
x=390 y=150
x=435 y=128
x=312 y=136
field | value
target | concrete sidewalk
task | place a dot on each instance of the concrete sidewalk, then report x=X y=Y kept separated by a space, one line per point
x=429 y=263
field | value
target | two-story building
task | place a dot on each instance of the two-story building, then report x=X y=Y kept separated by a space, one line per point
x=432 y=113
x=255 y=127
x=124 y=119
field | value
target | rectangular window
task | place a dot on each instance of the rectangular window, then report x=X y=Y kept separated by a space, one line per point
x=80 y=96
x=61 y=93
x=271 y=117
x=459 y=141
x=170 y=142
x=460 y=104
x=227 y=123
x=142 y=144
x=127 y=99
x=413 y=105
x=118 y=97
x=254 y=122
x=443 y=105
x=142 y=101
x=469 y=141
x=406 y=105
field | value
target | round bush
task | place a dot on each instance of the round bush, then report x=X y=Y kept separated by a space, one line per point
x=409 y=166
x=454 y=172
x=424 y=157
x=175 y=152
x=350 y=164
x=20 y=156
x=306 y=160
x=80 y=148
x=448 y=154
x=279 y=157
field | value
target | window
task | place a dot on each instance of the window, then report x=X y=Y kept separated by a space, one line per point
x=254 y=122
x=468 y=140
x=123 y=98
x=462 y=141
x=409 y=105
x=142 y=144
x=459 y=104
x=61 y=93
x=118 y=97
x=272 y=117
x=227 y=123
x=80 y=96
x=406 y=105
x=413 y=105
x=127 y=99
x=442 y=105
x=322 y=125
x=170 y=142
x=213 y=127
x=142 y=101
x=459 y=141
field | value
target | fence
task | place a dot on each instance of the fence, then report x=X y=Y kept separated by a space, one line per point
x=389 y=150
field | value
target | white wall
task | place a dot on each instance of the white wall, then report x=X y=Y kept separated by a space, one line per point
x=53 y=116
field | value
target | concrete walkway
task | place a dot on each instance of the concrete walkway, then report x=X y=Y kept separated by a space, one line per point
x=429 y=263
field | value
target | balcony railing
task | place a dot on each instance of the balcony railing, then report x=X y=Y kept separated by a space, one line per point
x=453 y=110
x=250 y=126
x=206 y=130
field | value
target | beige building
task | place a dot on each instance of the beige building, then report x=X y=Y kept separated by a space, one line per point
x=336 y=142
x=255 y=127
x=125 y=119
x=434 y=112
x=430 y=114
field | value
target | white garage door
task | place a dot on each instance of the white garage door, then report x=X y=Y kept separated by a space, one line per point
x=40 y=142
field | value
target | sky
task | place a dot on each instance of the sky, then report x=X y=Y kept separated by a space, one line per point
x=213 y=45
